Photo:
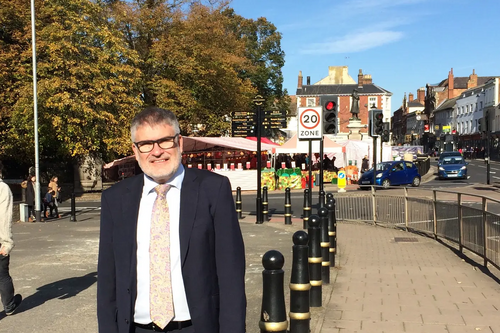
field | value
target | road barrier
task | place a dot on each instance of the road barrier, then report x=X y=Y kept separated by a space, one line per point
x=467 y=220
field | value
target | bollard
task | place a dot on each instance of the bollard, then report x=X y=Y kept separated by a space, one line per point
x=73 y=208
x=321 y=199
x=332 y=230
x=329 y=196
x=307 y=209
x=315 y=259
x=288 y=207
x=273 y=311
x=300 y=315
x=238 y=202
x=265 y=205
x=325 y=244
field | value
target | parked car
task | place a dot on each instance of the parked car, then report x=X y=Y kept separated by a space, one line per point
x=391 y=173
x=452 y=167
x=448 y=154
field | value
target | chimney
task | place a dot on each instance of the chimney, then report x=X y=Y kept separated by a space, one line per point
x=360 y=79
x=450 y=84
x=299 y=84
x=367 y=79
x=421 y=96
x=308 y=81
x=472 y=82
x=410 y=97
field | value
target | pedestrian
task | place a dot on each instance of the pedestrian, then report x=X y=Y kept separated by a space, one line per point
x=364 y=164
x=49 y=202
x=10 y=301
x=183 y=243
x=55 y=187
x=30 y=197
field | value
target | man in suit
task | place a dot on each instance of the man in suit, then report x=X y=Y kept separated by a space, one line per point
x=206 y=251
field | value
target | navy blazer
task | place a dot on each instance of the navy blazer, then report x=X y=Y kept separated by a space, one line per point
x=212 y=255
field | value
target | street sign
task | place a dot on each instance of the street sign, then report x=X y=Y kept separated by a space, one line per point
x=310 y=123
x=341 y=179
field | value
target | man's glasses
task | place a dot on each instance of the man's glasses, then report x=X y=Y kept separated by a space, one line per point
x=164 y=143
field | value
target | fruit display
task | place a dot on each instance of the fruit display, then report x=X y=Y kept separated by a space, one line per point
x=268 y=179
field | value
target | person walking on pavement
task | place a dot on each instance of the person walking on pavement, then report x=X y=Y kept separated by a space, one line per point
x=53 y=186
x=171 y=252
x=10 y=301
x=364 y=164
x=30 y=198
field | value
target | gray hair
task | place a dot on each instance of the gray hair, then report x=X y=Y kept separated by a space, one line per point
x=153 y=115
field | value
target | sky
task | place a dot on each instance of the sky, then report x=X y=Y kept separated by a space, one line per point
x=403 y=44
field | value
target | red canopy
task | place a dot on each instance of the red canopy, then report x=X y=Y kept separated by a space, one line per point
x=263 y=140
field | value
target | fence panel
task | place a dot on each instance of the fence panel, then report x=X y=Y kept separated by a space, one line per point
x=473 y=230
x=420 y=214
x=447 y=220
x=390 y=210
x=493 y=238
x=354 y=207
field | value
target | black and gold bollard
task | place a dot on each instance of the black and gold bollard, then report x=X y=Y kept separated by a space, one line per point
x=321 y=198
x=332 y=230
x=265 y=205
x=300 y=315
x=73 y=208
x=315 y=260
x=238 y=202
x=288 y=207
x=325 y=245
x=273 y=311
x=329 y=196
x=307 y=209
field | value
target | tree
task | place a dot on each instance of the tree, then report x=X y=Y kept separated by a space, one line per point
x=87 y=85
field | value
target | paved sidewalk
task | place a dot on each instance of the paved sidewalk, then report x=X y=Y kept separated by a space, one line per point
x=421 y=286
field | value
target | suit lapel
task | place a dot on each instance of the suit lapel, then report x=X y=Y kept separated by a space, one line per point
x=189 y=202
x=131 y=200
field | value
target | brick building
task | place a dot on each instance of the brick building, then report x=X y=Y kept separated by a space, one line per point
x=339 y=83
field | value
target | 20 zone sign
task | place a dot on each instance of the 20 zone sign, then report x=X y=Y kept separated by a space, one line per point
x=310 y=123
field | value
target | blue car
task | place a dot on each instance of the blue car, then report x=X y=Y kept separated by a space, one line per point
x=391 y=173
x=452 y=167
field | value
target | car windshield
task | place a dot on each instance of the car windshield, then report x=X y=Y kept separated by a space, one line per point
x=384 y=166
x=453 y=160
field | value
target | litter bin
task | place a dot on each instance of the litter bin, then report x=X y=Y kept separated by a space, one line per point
x=23 y=212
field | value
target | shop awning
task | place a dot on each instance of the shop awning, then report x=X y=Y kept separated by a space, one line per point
x=294 y=145
x=193 y=144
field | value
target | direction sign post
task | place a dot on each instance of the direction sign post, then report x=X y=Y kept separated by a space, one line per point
x=258 y=101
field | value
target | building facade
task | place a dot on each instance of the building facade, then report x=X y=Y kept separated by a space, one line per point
x=340 y=84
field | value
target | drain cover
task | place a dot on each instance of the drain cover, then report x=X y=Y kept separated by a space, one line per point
x=405 y=239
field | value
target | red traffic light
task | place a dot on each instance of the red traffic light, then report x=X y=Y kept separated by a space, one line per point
x=330 y=105
x=379 y=116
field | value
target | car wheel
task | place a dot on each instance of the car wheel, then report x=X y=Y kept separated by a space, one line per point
x=416 y=182
x=386 y=183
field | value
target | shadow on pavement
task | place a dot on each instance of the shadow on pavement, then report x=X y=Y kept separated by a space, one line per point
x=62 y=289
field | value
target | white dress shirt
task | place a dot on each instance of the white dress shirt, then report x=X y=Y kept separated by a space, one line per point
x=181 y=310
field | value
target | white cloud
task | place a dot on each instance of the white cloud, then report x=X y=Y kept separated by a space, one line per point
x=353 y=42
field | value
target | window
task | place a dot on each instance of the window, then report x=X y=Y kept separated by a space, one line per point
x=311 y=101
x=372 y=101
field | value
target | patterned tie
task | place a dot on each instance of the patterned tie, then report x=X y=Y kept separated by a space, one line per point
x=160 y=293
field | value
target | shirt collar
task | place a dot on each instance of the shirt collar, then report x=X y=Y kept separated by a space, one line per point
x=175 y=181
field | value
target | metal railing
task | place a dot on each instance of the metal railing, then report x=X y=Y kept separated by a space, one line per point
x=470 y=221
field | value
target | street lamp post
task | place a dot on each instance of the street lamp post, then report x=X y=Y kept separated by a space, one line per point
x=35 y=116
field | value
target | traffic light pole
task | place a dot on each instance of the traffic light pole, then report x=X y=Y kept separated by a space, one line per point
x=310 y=171
x=321 y=165
x=488 y=159
x=374 y=159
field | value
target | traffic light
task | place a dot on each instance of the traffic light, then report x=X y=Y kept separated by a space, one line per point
x=376 y=122
x=330 y=116
x=385 y=132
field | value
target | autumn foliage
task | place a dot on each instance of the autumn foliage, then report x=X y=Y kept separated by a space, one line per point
x=99 y=62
